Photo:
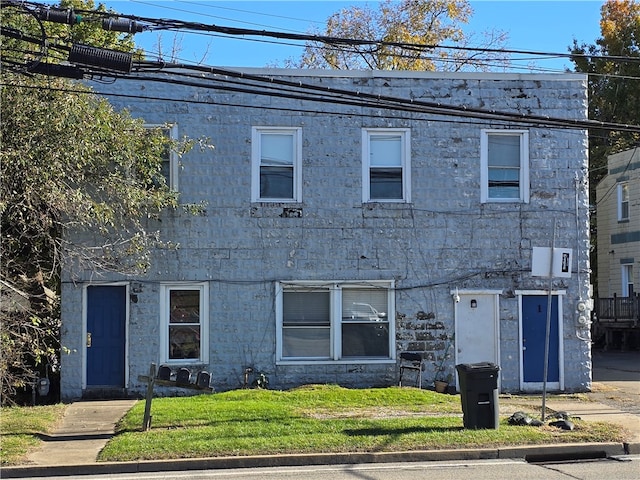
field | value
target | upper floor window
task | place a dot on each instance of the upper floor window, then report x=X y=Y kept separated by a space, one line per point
x=627 y=280
x=184 y=323
x=335 y=322
x=386 y=165
x=169 y=156
x=276 y=164
x=504 y=163
x=623 y=201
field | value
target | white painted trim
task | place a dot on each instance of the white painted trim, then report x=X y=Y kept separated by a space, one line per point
x=163 y=350
x=296 y=133
x=477 y=291
x=335 y=297
x=525 y=165
x=619 y=189
x=405 y=134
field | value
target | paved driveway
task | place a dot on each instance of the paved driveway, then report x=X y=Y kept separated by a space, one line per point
x=616 y=379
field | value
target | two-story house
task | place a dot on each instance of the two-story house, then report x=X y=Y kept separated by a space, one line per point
x=350 y=216
x=618 y=248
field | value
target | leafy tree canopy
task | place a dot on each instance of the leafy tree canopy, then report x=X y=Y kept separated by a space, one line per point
x=410 y=22
x=614 y=83
x=68 y=162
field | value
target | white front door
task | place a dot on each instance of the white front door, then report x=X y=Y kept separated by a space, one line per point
x=477 y=327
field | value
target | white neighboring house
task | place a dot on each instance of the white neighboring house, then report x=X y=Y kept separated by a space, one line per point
x=618 y=226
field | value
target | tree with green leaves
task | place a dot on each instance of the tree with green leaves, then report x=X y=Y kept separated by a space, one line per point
x=613 y=65
x=404 y=35
x=68 y=163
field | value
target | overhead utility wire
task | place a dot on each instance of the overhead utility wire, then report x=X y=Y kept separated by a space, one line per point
x=416 y=105
x=331 y=40
x=301 y=91
x=170 y=24
x=462 y=111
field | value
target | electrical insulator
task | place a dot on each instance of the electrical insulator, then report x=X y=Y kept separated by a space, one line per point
x=101 y=57
x=121 y=25
x=58 y=16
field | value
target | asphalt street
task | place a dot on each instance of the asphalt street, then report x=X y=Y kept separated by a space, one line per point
x=619 y=468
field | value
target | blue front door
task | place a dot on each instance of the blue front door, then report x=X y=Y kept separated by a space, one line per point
x=105 y=342
x=534 y=326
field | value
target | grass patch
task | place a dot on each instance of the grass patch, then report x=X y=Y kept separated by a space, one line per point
x=20 y=426
x=316 y=419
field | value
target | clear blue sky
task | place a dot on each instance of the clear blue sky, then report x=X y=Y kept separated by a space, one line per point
x=548 y=26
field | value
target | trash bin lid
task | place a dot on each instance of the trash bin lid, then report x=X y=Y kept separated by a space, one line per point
x=478 y=367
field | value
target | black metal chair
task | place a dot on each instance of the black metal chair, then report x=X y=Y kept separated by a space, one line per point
x=414 y=362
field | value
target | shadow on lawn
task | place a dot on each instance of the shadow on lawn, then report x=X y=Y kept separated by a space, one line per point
x=395 y=432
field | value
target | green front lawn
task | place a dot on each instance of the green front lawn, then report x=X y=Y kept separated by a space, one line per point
x=316 y=419
x=19 y=429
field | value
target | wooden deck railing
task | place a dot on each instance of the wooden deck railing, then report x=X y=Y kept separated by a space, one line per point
x=618 y=309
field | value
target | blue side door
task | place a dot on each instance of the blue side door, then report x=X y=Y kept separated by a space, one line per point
x=105 y=343
x=534 y=326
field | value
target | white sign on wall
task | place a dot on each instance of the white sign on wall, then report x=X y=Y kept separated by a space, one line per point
x=541 y=262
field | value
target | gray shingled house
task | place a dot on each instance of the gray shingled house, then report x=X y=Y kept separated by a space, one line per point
x=350 y=216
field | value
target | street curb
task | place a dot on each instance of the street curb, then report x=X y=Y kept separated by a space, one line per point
x=540 y=453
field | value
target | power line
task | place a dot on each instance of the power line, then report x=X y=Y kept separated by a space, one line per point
x=153 y=24
x=300 y=91
x=410 y=105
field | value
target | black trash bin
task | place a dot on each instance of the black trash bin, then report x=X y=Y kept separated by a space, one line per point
x=479 y=394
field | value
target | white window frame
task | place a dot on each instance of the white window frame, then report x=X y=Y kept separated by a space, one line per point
x=335 y=291
x=627 y=279
x=256 y=162
x=623 y=201
x=523 y=176
x=405 y=163
x=174 y=164
x=165 y=289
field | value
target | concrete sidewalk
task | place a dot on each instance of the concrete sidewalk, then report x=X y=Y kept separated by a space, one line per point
x=85 y=429
x=87 y=426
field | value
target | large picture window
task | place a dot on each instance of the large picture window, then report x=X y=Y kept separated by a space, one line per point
x=504 y=160
x=347 y=321
x=184 y=313
x=276 y=164
x=386 y=165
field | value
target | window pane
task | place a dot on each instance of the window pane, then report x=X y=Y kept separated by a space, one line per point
x=504 y=151
x=184 y=306
x=184 y=341
x=365 y=327
x=276 y=182
x=365 y=339
x=305 y=308
x=385 y=183
x=276 y=149
x=306 y=342
x=364 y=304
x=504 y=182
x=624 y=210
x=624 y=192
x=624 y=201
x=385 y=150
